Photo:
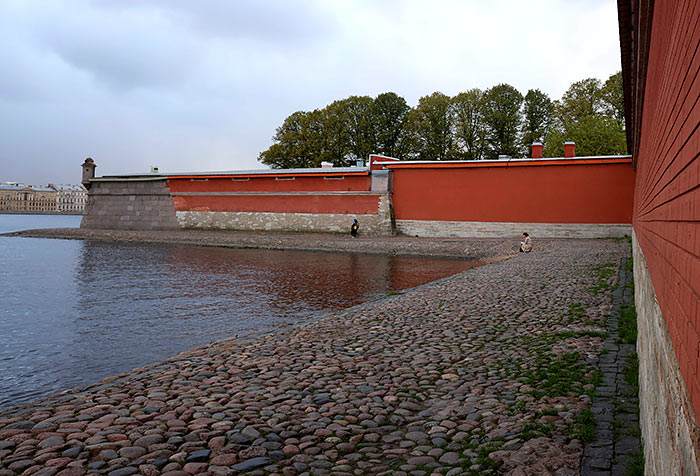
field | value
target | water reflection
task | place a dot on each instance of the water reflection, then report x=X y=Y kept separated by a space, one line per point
x=75 y=312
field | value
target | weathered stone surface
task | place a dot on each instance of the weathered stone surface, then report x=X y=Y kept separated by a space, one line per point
x=224 y=460
x=434 y=228
x=424 y=381
x=132 y=452
x=130 y=206
x=376 y=223
x=252 y=464
x=195 y=468
x=71 y=472
x=198 y=456
x=127 y=471
x=676 y=446
x=49 y=471
x=20 y=425
x=148 y=440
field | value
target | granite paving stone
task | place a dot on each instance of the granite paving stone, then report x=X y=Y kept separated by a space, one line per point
x=481 y=373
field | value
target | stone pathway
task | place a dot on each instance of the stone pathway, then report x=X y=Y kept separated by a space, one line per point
x=484 y=373
x=615 y=405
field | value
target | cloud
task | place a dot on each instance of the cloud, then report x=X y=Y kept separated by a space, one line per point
x=123 y=49
x=202 y=85
x=282 y=23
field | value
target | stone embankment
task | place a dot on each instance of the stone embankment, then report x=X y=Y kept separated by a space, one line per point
x=487 y=372
x=398 y=245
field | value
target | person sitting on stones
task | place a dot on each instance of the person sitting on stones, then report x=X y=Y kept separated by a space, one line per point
x=354 y=228
x=526 y=244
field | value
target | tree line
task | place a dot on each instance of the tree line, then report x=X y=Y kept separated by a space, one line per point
x=473 y=125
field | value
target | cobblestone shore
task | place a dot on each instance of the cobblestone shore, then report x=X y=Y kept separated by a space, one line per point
x=397 y=245
x=487 y=372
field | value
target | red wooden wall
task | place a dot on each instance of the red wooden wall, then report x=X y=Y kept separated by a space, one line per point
x=565 y=191
x=667 y=193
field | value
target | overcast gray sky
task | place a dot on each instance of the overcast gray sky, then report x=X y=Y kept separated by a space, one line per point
x=202 y=85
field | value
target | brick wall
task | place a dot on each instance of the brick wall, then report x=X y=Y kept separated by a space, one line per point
x=667 y=195
x=661 y=74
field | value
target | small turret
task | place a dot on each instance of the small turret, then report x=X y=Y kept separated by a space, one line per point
x=88 y=171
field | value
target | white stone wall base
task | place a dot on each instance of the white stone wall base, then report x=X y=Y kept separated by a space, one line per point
x=467 y=229
x=288 y=222
x=670 y=434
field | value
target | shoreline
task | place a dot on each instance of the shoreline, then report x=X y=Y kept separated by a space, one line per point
x=453 y=248
x=439 y=377
x=235 y=340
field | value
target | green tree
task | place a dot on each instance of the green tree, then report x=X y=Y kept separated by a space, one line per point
x=582 y=99
x=502 y=118
x=593 y=135
x=347 y=131
x=334 y=134
x=613 y=98
x=591 y=115
x=469 y=131
x=538 y=110
x=357 y=115
x=298 y=142
x=388 y=114
x=430 y=128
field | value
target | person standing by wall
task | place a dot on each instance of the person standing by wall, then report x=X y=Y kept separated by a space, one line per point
x=354 y=228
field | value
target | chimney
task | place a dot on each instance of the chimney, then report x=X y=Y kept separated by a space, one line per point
x=88 y=171
x=537 y=150
x=569 y=149
x=326 y=165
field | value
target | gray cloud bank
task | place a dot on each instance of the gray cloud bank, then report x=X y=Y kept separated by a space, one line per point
x=201 y=85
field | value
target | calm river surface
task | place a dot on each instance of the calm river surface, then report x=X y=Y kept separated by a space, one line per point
x=74 y=312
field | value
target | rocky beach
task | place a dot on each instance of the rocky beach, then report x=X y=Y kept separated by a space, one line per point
x=491 y=371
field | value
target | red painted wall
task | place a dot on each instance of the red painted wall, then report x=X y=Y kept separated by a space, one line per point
x=343 y=204
x=586 y=191
x=266 y=183
x=667 y=193
x=275 y=193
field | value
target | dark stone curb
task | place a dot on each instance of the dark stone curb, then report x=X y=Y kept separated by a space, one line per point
x=607 y=455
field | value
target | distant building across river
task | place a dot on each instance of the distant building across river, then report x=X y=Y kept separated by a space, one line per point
x=18 y=197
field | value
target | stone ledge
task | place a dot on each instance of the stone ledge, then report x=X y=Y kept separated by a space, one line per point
x=464 y=229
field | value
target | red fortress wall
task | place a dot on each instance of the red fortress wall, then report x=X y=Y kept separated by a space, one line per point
x=287 y=200
x=303 y=200
x=579 y=197
x=275 y=193
x=575 y=197
x=661 y=72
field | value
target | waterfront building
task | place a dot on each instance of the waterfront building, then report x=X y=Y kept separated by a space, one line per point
x=28 y=198
x=70 y=198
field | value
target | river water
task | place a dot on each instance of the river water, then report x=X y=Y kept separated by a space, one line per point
x=74 y=312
